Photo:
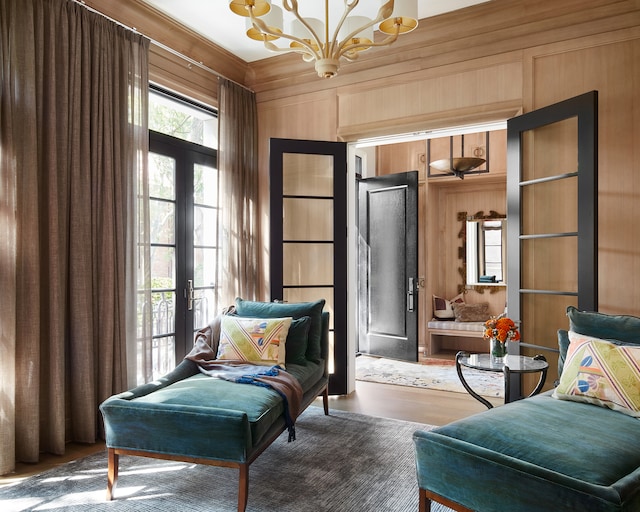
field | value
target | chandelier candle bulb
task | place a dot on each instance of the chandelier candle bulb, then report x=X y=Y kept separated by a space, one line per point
x=322 y=42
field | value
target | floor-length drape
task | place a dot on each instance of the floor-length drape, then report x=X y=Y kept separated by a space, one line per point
x=74 y=136
x=238 y=166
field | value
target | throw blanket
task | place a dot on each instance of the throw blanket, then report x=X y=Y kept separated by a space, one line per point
x=287 y=386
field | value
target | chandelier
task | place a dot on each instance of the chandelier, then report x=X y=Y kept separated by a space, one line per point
x=310 y=36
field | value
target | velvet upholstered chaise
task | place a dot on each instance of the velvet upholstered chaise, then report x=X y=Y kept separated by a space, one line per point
x=572 y=449
x=188 y=415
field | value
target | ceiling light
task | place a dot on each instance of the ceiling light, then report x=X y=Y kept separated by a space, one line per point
x=457 y=166
x=316 y=40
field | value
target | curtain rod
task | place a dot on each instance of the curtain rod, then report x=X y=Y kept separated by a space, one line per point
x=164 y=46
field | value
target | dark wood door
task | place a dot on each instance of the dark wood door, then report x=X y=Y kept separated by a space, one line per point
x=388 y=266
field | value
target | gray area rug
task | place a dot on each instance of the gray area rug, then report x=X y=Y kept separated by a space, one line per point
x=344 y=462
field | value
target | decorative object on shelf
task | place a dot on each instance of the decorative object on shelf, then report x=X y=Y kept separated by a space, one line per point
x=499 y=331
x=458 y=166
x=349 y=35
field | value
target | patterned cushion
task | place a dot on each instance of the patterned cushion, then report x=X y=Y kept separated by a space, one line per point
x=442 y=308
x=602 y=373
x=255 y=340
x=296 y=310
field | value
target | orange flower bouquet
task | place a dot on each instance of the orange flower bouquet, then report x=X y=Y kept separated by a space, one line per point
x=499 y=331
x=503 y=329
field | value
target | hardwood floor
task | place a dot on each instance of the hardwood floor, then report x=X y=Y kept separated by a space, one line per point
x=383 y=400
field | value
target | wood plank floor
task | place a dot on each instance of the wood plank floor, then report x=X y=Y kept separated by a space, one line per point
x=382 y=400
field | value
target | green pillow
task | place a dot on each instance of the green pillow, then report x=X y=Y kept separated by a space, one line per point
x=295 y=310
x=563 y=345
x=607 y=327
x=297 y=341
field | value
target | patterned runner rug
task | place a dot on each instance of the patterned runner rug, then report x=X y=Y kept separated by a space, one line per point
x=432 y=376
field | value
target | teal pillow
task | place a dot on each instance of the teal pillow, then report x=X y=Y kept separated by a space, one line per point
x=606 y=327
x=295 y=310
x=563 y=345
x=297 y=341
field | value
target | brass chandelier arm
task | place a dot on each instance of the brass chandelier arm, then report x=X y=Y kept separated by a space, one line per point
x=308 y=49
x=347 y=51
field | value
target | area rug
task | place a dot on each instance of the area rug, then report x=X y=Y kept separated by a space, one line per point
x=344 y=462
x=431 y=376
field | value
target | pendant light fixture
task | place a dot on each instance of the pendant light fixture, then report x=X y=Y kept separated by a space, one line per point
x=315 y=39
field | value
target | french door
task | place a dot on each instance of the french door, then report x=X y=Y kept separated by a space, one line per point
x=184 y=212
x=552 y=215
x=308 y=235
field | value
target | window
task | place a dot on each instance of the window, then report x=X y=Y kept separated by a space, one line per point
x=184 y=216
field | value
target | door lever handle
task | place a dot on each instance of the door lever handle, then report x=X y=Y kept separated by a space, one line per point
x=190 y=294
x=410 y=296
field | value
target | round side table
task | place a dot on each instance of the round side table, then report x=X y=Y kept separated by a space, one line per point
x=510 y=364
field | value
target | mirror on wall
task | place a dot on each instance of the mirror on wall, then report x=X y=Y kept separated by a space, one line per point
x=483 y=251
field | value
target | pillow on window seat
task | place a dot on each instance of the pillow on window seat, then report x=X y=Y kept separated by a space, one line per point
x=471 y=312
x=443 y=308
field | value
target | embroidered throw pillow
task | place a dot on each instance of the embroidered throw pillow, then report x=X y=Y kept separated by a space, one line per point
x=443 y=308
x=602 y=373
x=254 y=340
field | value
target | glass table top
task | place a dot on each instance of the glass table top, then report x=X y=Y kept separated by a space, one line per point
x=516 y=364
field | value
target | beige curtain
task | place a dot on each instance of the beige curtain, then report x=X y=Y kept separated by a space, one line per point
x=74 y=136
x=238 y=166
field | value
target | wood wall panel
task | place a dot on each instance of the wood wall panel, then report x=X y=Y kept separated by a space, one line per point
x=414 y=102
x=308 y=117
x=610 y=65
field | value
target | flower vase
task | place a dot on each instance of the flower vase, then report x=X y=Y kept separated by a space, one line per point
x=498 y=350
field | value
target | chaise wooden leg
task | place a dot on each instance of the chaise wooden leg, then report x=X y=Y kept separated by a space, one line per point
x=243 y=487
x=325 y=401
x=112 y=472
x=424 y=503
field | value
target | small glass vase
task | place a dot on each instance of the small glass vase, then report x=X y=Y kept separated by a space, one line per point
x=498 y=350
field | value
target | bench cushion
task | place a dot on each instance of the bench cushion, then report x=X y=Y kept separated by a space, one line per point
x=541 y=453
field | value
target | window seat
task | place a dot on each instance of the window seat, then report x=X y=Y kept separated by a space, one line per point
x=461 y=336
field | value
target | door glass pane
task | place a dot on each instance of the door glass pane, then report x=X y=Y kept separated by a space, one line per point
x=307 y=219
x=554 y=152
x=550 y=264
x=550 y=207
x=204 y=267
x=162 y=176
x=204 y=307
x=314 y=264
x=205 y=185
x=205 y=226
x=164 y=307
x=307 y=175
x=163 y=217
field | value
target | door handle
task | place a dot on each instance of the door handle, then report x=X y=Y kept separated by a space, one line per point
x=190 y=295
x=410 y=296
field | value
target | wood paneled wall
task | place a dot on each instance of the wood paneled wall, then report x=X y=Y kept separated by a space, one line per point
x=481 y=63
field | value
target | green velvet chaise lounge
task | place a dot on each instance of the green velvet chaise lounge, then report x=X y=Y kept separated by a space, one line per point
x=576 y=452
x=189 y=416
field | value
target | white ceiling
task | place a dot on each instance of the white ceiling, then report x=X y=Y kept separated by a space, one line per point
x=214 y=20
